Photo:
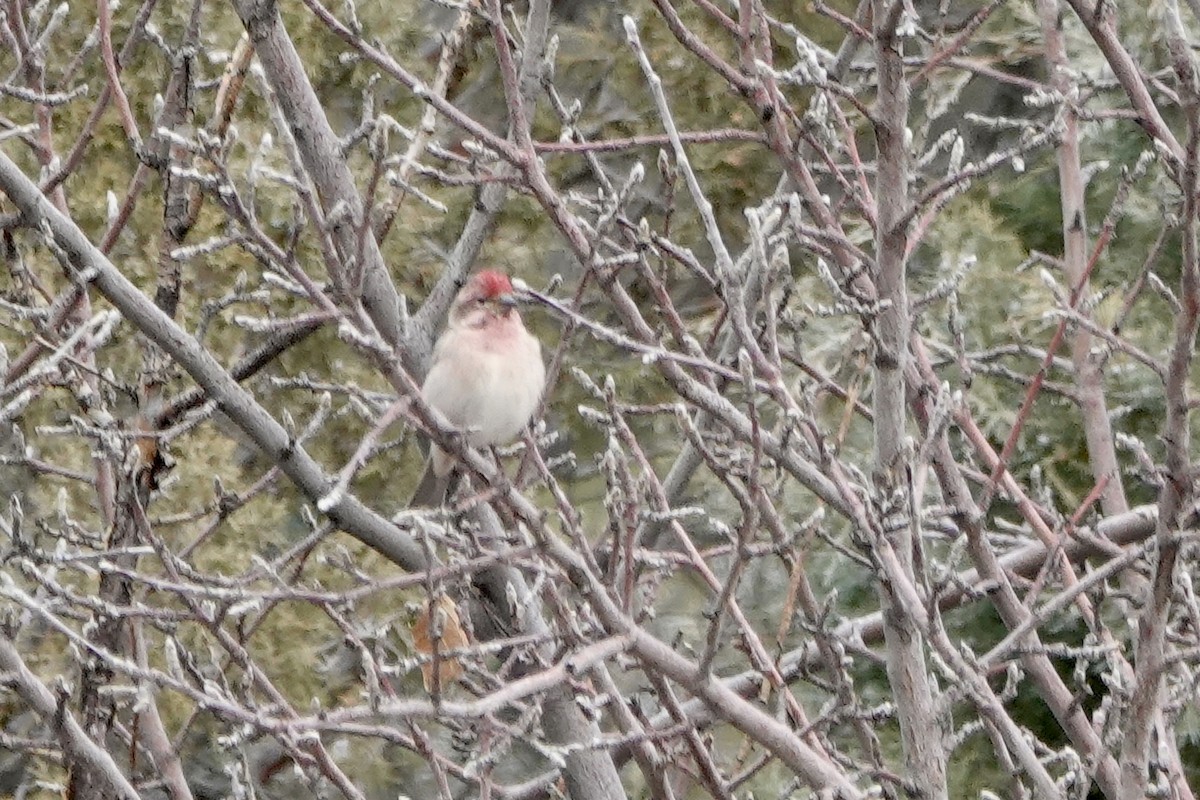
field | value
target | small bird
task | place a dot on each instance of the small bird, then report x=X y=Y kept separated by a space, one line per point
x=487 y=375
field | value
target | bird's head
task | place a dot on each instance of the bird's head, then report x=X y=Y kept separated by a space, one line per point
x=488 y=294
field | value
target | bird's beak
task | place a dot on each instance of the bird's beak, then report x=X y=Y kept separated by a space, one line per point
x=508 y=300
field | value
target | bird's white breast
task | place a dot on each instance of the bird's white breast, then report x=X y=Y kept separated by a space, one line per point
x=487 y=381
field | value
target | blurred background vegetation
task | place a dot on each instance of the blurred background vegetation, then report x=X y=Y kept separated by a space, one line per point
x=996 y=225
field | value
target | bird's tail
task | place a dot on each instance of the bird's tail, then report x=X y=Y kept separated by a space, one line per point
x=433 y=488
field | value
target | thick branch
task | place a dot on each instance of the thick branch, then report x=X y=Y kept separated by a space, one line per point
x=74 y=740
x=908 y=674
x=239 y=405
x=320 y=148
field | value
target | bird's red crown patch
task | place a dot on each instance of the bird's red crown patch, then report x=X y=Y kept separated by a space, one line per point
x=493 y=283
